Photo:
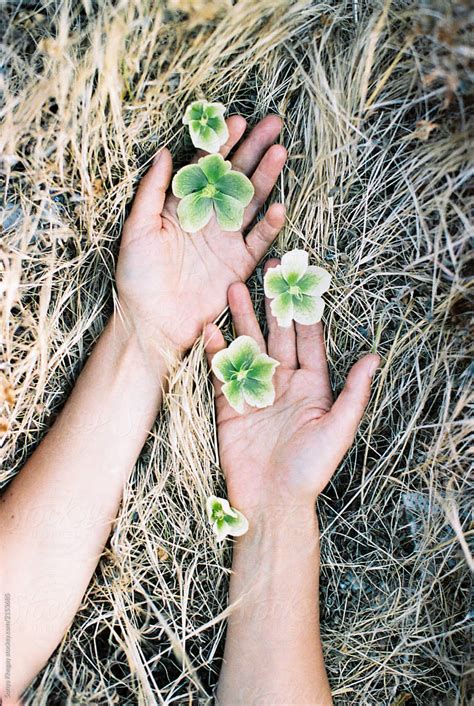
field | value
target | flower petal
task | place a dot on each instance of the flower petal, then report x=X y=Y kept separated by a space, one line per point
x=263 y=368
x=214 y=166
x=234 y=395
x=282 y=309
x=308 y=310
x=187 y=180
x=219 y=126
x=222 y=366
x=236 y=185
x=194 y=212
x=315 y=281
x=194 y=111
x=229 y=212
x=220 y=529
x=243 y=351
x=274 y=283
x=204 y=137
x=215 y=110
x=293 y=265
x=238 y=525
x=258 y=394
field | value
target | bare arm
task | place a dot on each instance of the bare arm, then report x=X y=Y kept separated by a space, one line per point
x=56 y=514
x=276 y=461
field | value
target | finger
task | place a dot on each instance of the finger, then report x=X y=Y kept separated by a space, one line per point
x=251 y=151
x=312 y=356
x=264 y=233
x=349 y=408
x=264 y=179
x=151 y=194
x=281 y=342
x=243 y=315
x=236 y=125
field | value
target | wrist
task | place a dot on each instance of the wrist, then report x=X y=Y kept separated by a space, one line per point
x=152 y=348
x=279 y=527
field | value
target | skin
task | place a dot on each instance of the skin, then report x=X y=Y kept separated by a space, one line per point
x=276 y=461
x=56 y=515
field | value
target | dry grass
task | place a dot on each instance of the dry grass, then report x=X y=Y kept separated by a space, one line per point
x=375 y=99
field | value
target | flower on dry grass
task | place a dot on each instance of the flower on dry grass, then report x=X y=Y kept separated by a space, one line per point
x=295 y=289
x=211 y=185
x=207 y=126
x=246 y=373
x=225 y=520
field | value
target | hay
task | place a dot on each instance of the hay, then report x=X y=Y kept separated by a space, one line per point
x=375 y=101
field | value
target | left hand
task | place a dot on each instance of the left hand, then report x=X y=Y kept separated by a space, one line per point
x=170 y=282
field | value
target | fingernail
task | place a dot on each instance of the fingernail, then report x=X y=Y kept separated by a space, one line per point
x=157 y=158
x=373 y=368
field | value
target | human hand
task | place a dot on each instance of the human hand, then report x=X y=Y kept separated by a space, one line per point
x=282 y=457
x=170 y=282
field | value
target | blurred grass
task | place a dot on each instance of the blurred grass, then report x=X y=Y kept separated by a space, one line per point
x=376 y=100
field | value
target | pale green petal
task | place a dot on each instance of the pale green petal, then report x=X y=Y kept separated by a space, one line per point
x=232 y=391
x=220 y=128
x=243 y=351
x=189 y=179
x=194 y=212
x=293 y=265
x=308 y=310
x=203 y=137
x=263 y=368
x=220 y=529
x=315 y=281
x=238 y=525
x=236 y=185
x=258 y=394
x=222 y=366
x=229 y=212
x=214 y=166
x=215 y=110
x=274 y=283
x=282 y=309
x=193 y=112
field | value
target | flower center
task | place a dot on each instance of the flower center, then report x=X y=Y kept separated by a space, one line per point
x=218 y=515
x=295 y=291
x=241 y=375
x=209 y=191
x=203 y=119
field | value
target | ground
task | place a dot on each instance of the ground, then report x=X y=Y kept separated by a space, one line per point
x=375 y=99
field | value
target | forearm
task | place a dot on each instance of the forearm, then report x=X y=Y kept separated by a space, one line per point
x=273 y=653
x=56 y=515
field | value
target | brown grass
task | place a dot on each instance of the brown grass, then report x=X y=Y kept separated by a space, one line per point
x=375 y=99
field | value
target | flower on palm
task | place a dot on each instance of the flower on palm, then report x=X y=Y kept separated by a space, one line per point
x=246 y=373
x=225 y=520
x=295 y=289
x=207 y=126
x=208 y=186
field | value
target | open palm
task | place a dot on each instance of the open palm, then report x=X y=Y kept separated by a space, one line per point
x=172 y=282
x=285 y=454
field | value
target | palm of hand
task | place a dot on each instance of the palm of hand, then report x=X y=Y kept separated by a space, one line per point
x=287 y=447
x=178 y=281
x=172 y=282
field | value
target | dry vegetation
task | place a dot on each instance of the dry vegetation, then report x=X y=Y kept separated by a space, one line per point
x=376 y=101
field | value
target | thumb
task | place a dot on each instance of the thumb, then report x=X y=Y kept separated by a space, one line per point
x=150 y=197
x=348 y=410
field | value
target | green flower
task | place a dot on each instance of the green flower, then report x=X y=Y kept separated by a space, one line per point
x=246 y=373
x=211 y=184
x=225 y=519
x=295 y=289
x=207 y=126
